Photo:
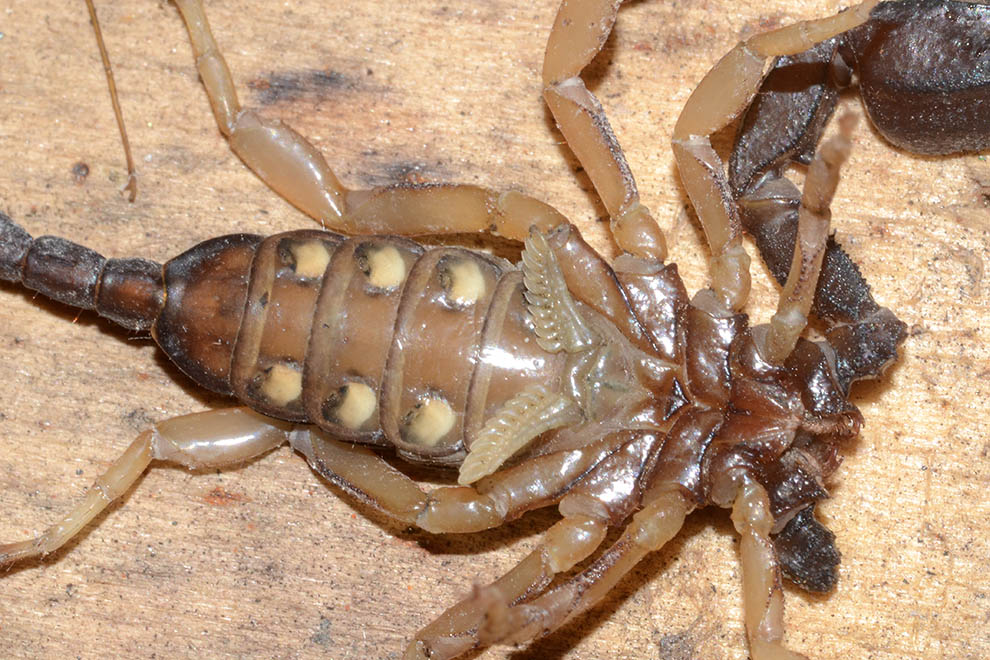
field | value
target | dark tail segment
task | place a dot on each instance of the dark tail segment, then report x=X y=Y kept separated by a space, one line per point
x=129 y=292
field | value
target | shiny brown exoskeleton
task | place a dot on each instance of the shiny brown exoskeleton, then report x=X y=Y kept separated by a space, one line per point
x=603 y=389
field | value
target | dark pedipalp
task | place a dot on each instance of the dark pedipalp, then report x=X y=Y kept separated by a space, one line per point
x=924 y=73
x=787 y=117
x=14 y=244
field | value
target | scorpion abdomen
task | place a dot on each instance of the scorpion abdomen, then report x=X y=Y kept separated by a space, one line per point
x=205 y=288
x=376 y=339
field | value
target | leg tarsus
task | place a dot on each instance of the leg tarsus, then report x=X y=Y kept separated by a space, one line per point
x=108 y=486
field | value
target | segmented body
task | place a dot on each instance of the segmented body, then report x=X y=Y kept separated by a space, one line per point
x=379 y=340
x=879 y=430
x=343 y=332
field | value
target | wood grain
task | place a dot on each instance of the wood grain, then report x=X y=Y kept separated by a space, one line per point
x=266 y=561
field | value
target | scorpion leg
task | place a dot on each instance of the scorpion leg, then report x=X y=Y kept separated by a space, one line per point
x=651 y=527
x=578 y=34
x=456 y=631
x=294 y=168
x=282 y=158
x=798 y=294
x=415 y=210
x=211 y=439
x=724 y=93
x=763 y=596
x=503 y=496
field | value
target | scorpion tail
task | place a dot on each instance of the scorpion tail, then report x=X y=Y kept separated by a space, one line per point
x=129 y=292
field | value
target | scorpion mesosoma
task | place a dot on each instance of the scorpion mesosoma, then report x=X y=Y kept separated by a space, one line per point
x=710 y=652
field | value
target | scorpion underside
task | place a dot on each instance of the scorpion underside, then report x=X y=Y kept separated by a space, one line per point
x=604 y=389
x=673 y=406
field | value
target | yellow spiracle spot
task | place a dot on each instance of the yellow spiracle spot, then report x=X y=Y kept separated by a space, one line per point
x=464 y=282
x=312 y=258
x=429 y=421
x=357 y=403
x=386 y=267
x=282 y=384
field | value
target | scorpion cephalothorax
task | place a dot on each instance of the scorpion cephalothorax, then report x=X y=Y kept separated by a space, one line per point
x=604 y=389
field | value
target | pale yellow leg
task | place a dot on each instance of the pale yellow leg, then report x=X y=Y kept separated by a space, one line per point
x=814 y=219
x=456 y=630
x=203 y=440
x=763 y=597
x=297 y=171
x=449 y=509
x=652 y=527
x=724 y=93
x=578 y=34
x=445 y=209
x=285 y=160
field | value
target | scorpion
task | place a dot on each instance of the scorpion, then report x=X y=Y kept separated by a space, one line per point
x=676 y=399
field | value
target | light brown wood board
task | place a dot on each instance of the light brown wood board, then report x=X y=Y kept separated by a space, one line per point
x=265 y=560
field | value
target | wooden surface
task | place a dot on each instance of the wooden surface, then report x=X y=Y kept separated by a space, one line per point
x=266 y=561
